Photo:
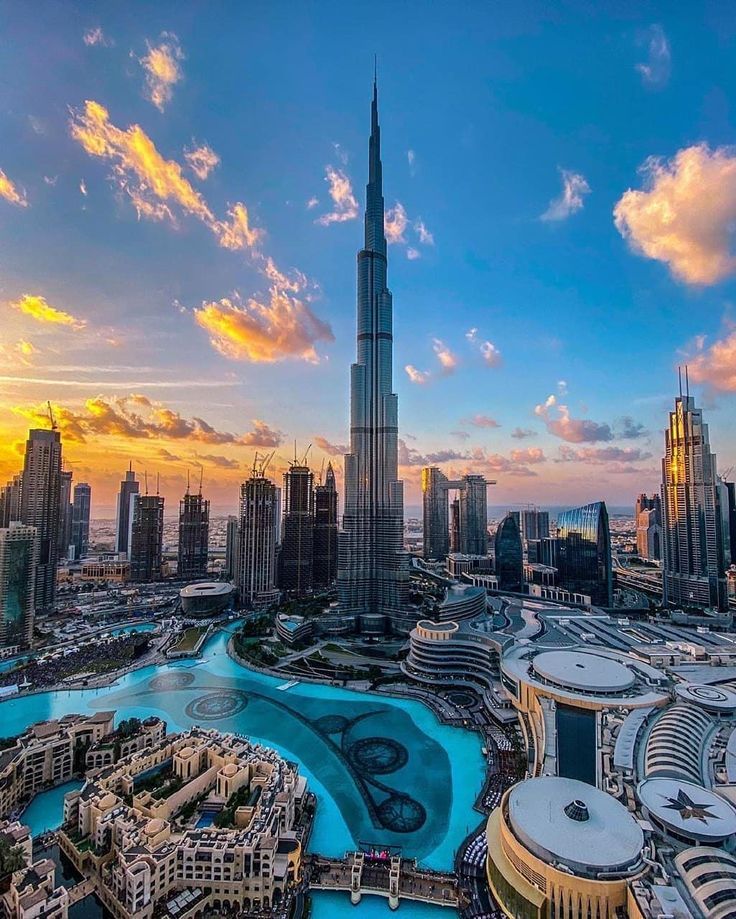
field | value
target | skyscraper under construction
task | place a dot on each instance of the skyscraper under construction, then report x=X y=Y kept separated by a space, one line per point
x=324 y=566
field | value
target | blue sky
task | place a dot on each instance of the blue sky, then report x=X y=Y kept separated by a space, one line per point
x=500 y=105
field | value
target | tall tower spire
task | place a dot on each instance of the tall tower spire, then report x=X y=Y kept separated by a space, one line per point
x=373 y=568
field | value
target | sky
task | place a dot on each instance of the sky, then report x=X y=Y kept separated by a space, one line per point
x=181 y=193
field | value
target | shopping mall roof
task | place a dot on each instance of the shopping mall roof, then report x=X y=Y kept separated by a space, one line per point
x=565 y=820
x=689 y=810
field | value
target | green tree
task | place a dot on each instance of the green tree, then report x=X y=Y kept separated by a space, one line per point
x=12 y=858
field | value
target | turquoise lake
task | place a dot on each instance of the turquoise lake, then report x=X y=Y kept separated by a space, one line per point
x=384 y=770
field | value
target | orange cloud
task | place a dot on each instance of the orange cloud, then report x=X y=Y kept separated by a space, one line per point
x=37 y=308
x=11 y=192
x=162 y=69
x=716 y=365
x=341 y=192
x=283 y=327
x=202 y=160
x=156 y=186
x=137 y=417
x=330 y=448
x=685 y=215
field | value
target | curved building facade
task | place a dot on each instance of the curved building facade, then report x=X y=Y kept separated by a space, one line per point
x=559 y=847
x=205 y=598
x=509 y=554
x=584 y=552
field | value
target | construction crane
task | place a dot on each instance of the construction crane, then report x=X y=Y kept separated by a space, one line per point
x=52 y=420
x=261 y=462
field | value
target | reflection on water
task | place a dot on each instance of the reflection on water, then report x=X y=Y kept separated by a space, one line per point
x=384 y=770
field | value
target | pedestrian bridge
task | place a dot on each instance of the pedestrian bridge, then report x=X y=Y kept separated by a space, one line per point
x=385 y=875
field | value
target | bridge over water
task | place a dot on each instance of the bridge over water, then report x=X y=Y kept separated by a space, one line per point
x=383 y=874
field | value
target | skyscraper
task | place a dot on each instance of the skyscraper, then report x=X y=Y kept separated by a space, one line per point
x=509 y=554
x=146 y=537
x=455 y=524
x=194 y=535
x=474 y=515
x=297 y=530
x=470 y=521
x=648 y=513
x=534 y=524
x=373 y=567
x=80 y=519
x=40 y=506
x=325 y=531
x=66 y=512
x=584 y=552
x=435 y=486
x=10 y=503
x=128 y=487
x=255 y=577
x=693 y=570
x=231 y=547
x=18 y=564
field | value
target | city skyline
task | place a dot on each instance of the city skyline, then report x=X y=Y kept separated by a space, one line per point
x=543 y=308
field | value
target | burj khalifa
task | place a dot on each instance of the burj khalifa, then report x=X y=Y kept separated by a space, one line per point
x=373 y=567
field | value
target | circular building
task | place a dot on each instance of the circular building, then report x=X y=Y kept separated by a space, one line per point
x=559 y=695
x=721 y=700
x=205 y=598
x=558 y=846
x=686 y=813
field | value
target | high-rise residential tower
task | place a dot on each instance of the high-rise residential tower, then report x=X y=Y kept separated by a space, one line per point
x=534 y=524
x=194 y=535
x=66 y=513
x=255 y=576
x=18 y=563
x=146 y=537
x=40 y=507
x=470 y=521
x=373 y=567
x=435 y=486
x=10 y=503
x=584 y=553
x=128 y=487
x=648 y=518
x=693 y=569
x=474 y=515
x=80 y=518
x=297 y=530
x=231 y=547
x=325 y=531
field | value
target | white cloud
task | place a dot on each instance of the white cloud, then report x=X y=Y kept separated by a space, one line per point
x=655 y=71
x=686 y=213
x=491 y=354
x=574 y=187
x=96 y=36
x=395 y=222
x=413 y=254
x=425 y=237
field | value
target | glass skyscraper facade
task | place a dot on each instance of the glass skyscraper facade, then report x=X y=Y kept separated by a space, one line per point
x=694 y=566
x=509 y=554
x=373 y=567
x=41 y=507
x=194 y=536
x=81 y=508
x=18 y=560
x=584 y=552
